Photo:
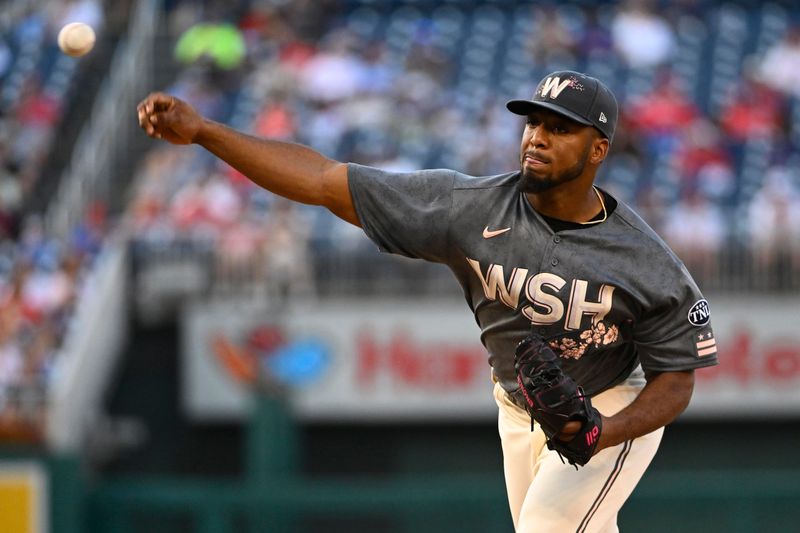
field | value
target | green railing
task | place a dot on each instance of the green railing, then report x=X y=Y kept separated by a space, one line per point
x=702 y=502
x=275 y=498
x=730 y=501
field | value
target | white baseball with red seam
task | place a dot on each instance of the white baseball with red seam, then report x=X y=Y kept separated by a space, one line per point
x=76 y=39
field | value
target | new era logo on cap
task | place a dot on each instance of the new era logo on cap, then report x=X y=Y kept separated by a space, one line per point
x=577 y=96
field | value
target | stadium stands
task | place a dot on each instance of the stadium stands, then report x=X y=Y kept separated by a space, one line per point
x=412 y=84
x=708 y=135
x=40 y=276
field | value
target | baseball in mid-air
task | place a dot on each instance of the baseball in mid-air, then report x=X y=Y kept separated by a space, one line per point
x=76 y=39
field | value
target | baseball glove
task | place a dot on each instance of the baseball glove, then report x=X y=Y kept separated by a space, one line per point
x=553 y=399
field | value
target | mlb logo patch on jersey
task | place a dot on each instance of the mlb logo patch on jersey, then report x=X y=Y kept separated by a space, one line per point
x=705 y=344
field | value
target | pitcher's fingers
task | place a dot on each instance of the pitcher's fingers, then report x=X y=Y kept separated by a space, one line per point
x=144 y=120
x=147 y=125
x=155 y=101
x=144 y=104
x=143 y=115
x=153 y=133
x=159 y=102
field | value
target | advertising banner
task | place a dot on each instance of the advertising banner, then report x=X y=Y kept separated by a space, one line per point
x=340 y=359
x=354 y=359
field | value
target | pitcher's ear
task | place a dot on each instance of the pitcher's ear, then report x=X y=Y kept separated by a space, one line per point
x=600 y=146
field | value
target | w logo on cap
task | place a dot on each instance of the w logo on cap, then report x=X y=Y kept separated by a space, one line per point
x=555 y=86
x=588 y=101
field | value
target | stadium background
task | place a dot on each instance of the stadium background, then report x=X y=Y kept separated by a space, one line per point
x=119 y=411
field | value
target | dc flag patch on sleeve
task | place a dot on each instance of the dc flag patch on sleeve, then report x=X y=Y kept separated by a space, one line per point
x=705 y=344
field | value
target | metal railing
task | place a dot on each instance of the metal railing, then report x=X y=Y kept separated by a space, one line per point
x=185 y=268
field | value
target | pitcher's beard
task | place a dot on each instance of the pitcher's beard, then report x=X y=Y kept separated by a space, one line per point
x=530 y=182
x=533 y=184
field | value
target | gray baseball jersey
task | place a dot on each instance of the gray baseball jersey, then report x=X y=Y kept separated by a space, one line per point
x=608 y=297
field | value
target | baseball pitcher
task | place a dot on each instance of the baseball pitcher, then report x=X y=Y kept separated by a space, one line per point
x=592 y=325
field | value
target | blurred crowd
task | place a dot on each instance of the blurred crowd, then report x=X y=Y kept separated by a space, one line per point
x=40 y=275
x=707 y=148
x=35 y=80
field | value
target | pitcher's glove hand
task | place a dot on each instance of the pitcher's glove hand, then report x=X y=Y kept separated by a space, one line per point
x=553 y=399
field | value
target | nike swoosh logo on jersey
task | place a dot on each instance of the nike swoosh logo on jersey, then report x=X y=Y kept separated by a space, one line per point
x=494 y=233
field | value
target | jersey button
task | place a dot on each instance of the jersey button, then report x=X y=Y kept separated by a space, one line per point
x=554 y=262
x=556 y=239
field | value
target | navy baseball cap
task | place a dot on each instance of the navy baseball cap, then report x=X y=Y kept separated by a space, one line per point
x=577 y=96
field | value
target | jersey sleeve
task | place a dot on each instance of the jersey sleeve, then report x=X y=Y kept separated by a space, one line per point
x=676 y=334
x=404 y=213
